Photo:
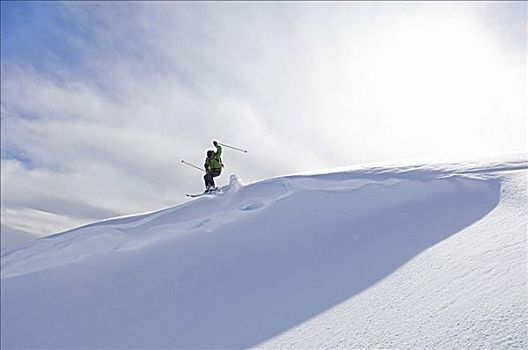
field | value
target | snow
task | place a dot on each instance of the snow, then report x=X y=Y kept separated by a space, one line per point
x=11 y=237
x=390 y=256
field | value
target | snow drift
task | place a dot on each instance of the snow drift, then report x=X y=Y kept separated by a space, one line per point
x=401 y=256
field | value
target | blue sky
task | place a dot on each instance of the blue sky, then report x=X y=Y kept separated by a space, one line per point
x=101 y=100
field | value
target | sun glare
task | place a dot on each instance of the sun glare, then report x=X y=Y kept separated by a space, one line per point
x=434 y=75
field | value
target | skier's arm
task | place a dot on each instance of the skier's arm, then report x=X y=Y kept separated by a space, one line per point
x=218 y=152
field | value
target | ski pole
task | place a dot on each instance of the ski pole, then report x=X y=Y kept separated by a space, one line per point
x=192 y=165
x=236 y=148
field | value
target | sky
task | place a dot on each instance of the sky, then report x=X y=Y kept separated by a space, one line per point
x=100 y=101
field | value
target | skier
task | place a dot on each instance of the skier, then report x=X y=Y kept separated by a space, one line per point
x=213 y=167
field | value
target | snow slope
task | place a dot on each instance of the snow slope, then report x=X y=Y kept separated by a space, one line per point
x=10 y=237
x=398 y=256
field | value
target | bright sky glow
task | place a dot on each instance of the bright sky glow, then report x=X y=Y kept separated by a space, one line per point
x=438 y=80
x=101 y=100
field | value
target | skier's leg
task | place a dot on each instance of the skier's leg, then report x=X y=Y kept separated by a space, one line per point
x=213 y=175
x=207 y=178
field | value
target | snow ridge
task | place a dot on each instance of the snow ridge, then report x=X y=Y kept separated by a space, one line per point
x=275 y=263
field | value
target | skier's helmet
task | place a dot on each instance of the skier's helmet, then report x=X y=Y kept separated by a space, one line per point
x=210 y=153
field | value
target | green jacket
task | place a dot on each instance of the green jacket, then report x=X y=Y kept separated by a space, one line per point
x=214 y=163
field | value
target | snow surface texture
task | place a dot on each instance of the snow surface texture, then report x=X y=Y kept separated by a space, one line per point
x=426 y=256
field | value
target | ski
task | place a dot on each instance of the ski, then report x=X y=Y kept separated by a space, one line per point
x=202 y=194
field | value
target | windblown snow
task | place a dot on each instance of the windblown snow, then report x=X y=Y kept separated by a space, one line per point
x=402 y=256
